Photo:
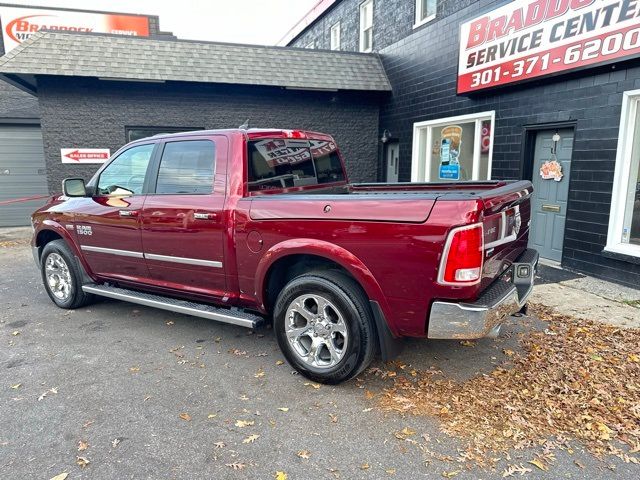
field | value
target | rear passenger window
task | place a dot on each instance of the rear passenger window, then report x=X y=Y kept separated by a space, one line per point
x=280 y=163
x=187 y=167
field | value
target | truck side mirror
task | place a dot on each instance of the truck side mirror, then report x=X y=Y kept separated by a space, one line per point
x=74 y=187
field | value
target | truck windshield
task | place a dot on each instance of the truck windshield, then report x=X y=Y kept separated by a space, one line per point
x=275 y=164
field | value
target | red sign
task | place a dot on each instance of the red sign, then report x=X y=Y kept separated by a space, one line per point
x=532 y=38
x=84 y=155
x=19 y=23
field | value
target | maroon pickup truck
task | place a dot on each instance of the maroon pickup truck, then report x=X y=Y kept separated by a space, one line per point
x=241 y=226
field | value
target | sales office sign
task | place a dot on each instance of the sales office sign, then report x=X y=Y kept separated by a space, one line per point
x=526 y=39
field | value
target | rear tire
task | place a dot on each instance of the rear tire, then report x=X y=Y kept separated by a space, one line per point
x=324 y=326
x=62 y=276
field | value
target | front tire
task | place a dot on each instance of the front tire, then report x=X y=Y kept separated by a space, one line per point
x=324 y=326
x=62 y=276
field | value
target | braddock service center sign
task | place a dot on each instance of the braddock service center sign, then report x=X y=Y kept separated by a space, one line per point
x=532 y=38
x=18 y=24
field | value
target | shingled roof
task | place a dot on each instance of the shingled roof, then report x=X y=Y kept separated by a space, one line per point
x=136 y=58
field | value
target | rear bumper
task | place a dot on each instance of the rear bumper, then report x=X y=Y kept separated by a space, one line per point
x=484 y=317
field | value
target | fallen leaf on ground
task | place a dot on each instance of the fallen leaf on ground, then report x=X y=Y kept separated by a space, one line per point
x=314 y=385
x=251 y=438
x=572 y=380
x=511 y=470
x=46 y=394
x=334 y=418
x=281 y=476
x=16 y=386
x=16 y=333
x=212 y=415
x=259 y=373
x=450 y=474
x=82 y=445
x=115 y=442
x=134 y=369
x=244 y=423
x=170 y=322
x=236 y=465
x=279 y=362
x=283 y=409
x=391 y=471
x=467 y=343
x=185 y=416
x=238 y=353
x=539 y=463
x=219 y=445
x=82 y=461
x=364 y=466
x=60 y=476
x=304 y=454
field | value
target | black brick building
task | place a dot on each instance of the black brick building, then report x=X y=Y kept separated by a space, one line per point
x=592 y=110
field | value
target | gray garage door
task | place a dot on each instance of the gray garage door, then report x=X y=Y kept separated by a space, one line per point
x=22 y=173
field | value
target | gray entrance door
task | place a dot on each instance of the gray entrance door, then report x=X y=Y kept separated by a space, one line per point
x=22 y=172
x=549 y=202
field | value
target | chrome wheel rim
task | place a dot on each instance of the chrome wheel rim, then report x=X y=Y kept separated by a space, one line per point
x=58 y=276
x=316 y=331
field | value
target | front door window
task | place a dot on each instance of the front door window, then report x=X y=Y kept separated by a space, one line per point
x=125 y=175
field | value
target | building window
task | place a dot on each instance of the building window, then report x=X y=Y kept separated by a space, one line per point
x=366 y=26
x=453 y=149
x=137 y=133
x=425 y=11
x=624 y=222
x=335 y=36
x=311 y=44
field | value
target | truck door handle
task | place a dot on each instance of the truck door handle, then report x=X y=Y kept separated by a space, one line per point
x=128 y=213
x=204 y=216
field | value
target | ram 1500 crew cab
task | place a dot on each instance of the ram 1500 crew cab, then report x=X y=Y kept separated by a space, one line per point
x=241 y=226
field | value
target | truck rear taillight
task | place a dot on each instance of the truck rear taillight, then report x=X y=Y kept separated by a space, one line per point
x=463 y=255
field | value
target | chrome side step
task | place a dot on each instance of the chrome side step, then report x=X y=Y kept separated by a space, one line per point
x=233 y=316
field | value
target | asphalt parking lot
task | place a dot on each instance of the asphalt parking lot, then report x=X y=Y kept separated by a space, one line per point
x=117 y=391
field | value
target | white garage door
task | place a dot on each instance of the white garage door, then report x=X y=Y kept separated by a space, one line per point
x=22 y=173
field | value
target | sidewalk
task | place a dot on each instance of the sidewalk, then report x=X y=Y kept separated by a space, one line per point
x=587 y=297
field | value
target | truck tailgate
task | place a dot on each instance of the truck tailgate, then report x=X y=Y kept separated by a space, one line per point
x=506 y=219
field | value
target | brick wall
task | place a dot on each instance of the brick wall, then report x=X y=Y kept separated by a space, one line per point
x=16 y=104
x=93 y=114
x=392 y=20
